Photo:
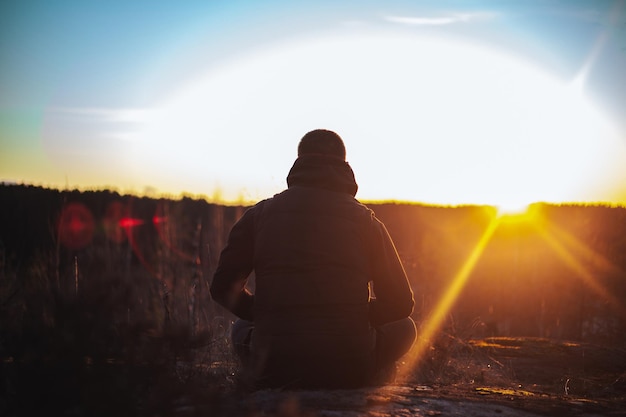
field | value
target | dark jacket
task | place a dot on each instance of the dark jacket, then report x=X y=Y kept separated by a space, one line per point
x=314 y=250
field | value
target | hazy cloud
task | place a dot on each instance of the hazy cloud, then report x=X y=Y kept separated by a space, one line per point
x=97 y=123
x=440 y=20
x=120 y=115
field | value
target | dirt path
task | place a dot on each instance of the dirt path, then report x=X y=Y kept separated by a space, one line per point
x=402 y=400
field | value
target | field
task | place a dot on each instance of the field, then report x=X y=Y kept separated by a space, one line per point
x=105 y=310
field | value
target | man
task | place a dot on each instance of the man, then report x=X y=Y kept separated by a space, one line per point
x=315 y=251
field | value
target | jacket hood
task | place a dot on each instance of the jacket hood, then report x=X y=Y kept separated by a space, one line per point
x=322 y=171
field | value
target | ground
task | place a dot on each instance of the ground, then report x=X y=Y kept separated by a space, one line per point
x=516 y=377
x=505 y=377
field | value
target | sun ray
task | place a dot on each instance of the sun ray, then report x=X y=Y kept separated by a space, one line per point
x=577 y=247
x=575 y=264
x=434 y=322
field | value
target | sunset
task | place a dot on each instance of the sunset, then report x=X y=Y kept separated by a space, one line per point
x=443 y=104
x=313 y=208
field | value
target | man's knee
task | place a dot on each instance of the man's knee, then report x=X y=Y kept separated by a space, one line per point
x=408 y=330
x=395 y=339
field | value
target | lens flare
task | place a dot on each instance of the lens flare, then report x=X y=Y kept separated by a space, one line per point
x=437 y=317
x=113 y=230
x=76 y=226
x=160 y=220
x=129 y=222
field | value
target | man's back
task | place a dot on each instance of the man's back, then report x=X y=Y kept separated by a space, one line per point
x=315 y=251
x=312 y=253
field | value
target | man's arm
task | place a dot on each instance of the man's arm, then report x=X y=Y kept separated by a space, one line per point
x=394 y=297
x=235 y=264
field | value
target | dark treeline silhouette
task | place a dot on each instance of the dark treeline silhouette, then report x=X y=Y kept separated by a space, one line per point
x=103 y=269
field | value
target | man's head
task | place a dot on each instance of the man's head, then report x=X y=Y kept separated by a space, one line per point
x=322 y=142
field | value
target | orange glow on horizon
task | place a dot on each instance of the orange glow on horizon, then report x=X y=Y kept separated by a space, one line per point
x=576 y=255
x=512 y=209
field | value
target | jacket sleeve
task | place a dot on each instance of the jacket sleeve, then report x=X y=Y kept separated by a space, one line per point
x=234 y=266
x=394 y=297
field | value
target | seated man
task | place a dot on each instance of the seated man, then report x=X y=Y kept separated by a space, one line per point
x=315 y=250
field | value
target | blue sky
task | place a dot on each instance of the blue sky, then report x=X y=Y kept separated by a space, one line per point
x=78 y=77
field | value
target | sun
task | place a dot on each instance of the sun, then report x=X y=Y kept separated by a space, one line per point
x=434 y=120
x=512 y=208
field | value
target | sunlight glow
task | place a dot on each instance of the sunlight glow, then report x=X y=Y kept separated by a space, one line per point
x=434 y=120
x=569 y=249
x=512 y=208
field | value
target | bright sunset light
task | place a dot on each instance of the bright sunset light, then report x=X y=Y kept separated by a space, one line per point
x=424 y=119
x=438 y=104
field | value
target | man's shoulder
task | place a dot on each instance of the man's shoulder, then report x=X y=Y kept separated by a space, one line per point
x=364 y=209
x=314 y=199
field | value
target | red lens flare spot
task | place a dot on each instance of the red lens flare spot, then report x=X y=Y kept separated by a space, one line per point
x=115 y=211
x=166 y=228
x=76 y=226
x=157 y=220
x=129 y=222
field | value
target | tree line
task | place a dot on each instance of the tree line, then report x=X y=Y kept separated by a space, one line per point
x=106 y=267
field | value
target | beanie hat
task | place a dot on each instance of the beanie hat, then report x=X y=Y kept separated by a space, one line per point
x=322 y=142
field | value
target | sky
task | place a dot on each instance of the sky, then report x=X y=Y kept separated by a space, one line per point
x=443 y=102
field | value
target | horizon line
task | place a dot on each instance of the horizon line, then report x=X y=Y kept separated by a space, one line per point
x=216 y=199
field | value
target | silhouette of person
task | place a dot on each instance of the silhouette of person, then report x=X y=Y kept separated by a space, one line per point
x=316 y=253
